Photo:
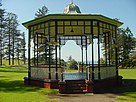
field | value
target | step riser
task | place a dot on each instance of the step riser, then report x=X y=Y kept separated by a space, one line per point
x=75 y=82
x=75 y=86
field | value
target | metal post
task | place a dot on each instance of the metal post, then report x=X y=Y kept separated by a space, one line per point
x=82 y=53
x=29 y=62
x=56 y=32
x=109 y=47
x=92 y=50
x=49 y=50
x=86 y=60
x=34 y=50
x=60 y=58
x=37 y=49
x=99 y=75
x=105 y=37
x=116 y=54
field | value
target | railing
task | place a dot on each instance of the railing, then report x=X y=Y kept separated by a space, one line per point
x=42 y=72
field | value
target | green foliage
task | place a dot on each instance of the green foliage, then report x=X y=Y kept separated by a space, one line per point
x=72 y=64
x=126 y=43
x=63 y=63
x=102 y=61
x=6 y=63
x=10 y=38
x=2 y=25
x=23 y=49
x=12 y=88
x=43 y=50
x=132 y=60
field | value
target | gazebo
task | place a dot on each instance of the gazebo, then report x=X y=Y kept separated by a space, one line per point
x=49 y=33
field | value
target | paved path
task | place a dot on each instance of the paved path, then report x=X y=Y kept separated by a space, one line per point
x=107 y=97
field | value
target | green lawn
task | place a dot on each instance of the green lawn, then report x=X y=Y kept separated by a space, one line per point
x=12 y=88
x=128 y=91
x=6 y=62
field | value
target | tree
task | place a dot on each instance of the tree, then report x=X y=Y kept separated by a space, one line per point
x=41 y=12
x=102 y=61
x=23 y=49
x=10 y=36
x=125 y=43
x=132 y=60
x=41 y=54
x=72 y=63
x=2 y=25
x=18 y=46
x=11 y=42
x=126 y=46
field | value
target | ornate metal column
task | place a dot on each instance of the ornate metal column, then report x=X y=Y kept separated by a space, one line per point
x=86 y=60
x=82 y=53
x=99 y=74
x=34 y=48
x=92 y=32
x=109 y=48
x=60 y=58
x=29 y=62
x=49 y=50
x=56 y=45
x=116 y=53
x=37 y=48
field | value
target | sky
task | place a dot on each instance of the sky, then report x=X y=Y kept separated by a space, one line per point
x=124 y=10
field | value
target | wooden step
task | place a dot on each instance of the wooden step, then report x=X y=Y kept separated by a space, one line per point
x=75 y=81
x=76 y=85
x=75 y=88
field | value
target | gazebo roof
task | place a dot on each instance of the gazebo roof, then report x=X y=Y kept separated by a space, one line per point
x=63 y=17
x=72 y=9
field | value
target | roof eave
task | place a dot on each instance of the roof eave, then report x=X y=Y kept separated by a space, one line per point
x=47 y=17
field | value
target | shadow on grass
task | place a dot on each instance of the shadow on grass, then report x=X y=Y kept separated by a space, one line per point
x=16 y=86
x=128 y=86
x=14 y=71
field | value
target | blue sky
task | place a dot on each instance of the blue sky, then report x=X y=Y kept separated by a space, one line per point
x=124 y=10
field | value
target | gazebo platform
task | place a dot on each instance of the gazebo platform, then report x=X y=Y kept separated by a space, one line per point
x=75 y=86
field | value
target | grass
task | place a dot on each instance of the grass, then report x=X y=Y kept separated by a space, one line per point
x=12 y=88
x=71 y=71
x=128 y=91
x=6 y=62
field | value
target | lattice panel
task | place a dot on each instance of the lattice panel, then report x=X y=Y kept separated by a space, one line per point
x=96 y=73
x=43 y=73
x=107 y=72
